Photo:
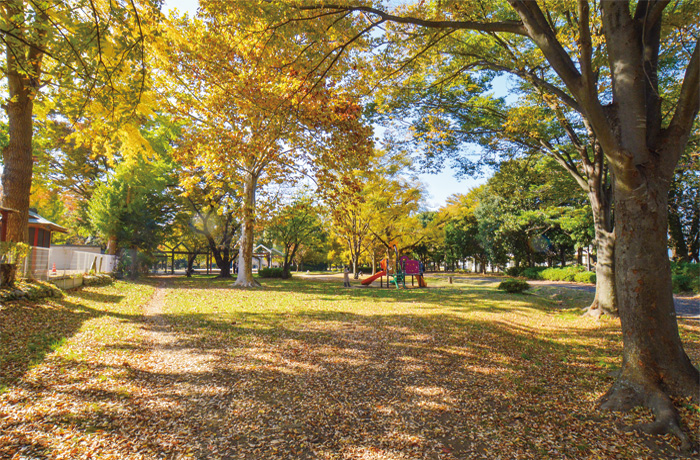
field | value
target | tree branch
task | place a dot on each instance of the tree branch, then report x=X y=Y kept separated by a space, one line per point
x=514 y=27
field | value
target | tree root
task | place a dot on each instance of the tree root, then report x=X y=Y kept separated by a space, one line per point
x=625 y=395
x=594 y=310
x=247 y=283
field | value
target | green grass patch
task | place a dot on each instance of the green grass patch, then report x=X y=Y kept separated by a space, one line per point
x=304 y=368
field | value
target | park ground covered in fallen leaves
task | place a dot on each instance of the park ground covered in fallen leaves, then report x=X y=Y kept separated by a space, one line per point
x=172 y=368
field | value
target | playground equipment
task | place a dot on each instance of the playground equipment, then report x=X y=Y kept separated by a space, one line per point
x=369 y=280
x=396 y=271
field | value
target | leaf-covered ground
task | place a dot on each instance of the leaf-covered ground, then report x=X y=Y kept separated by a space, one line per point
x=304 y=369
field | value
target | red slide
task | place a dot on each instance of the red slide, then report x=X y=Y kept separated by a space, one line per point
x=372 y=278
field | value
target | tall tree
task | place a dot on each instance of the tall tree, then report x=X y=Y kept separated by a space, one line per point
x=256 y=121
x=79 y=50
x=133 y=206
x=393 y=198
x=351 y=221
x=684 y=207
x=296 y=225
x=630 y=73
x=210 y=201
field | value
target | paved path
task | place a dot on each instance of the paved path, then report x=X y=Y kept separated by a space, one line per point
x=686 y=307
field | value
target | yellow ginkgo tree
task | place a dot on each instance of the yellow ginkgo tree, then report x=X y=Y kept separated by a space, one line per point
x=71 y=57
x=252 y=118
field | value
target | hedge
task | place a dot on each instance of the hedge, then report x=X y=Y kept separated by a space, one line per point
x=271 y=273
x=575 y=273
x=685 y=277
x=30 y=290
x=97 y=279
x=513 y=285
x=585 y=277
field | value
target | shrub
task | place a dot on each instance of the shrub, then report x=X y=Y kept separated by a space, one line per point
x=513 y=285
x=97 y=279
x=585 y=277
x=271 y=273
x=685 y=277
x=533 y=273
x=514 y=271
x=562 y=273
x=30 y=290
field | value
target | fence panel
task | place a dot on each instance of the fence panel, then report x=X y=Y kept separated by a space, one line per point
x=36 y=264
x=84 y=262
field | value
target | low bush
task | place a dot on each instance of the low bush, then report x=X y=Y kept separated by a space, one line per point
x=533 y=273
x=514 y=271
x=685 y=277
x=271 y=273
x=562 y=273
x=30 y=290
x=585 y=277
x=513 y=285
x=97 y=279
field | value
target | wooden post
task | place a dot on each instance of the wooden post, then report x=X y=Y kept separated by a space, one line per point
x=172 y=262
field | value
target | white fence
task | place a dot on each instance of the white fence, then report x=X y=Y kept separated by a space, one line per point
x=38 y=264
x=62 y=255
x=85 y=262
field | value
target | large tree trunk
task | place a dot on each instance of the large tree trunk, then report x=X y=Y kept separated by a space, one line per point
x=245 y=253
x=222 y=258
x=644 y=155
x=354 y=259
x=605 y=300
x=17 y=163
x=23 y=73
x=111 y=246
x=655 y=365
x=190 y=264
x=289 y=255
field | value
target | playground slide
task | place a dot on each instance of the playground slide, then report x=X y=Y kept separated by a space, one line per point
x=372 y=278
x=421 y=281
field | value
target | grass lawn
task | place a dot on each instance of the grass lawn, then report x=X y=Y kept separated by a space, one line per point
x=305 y=369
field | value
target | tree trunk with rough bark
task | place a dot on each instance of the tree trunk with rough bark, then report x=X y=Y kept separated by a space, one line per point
x=245 y=252
x=643 y=155
x=599 y=196
x=17 y=164
x=289 y=256
x=190 y=264
x=23 y=71
x=111 y=246
x=655 y=365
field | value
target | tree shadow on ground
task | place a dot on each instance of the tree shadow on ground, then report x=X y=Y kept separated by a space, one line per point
x=311 y=383
x=30 y=330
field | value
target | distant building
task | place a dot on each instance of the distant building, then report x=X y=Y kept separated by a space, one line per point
x=40 y=229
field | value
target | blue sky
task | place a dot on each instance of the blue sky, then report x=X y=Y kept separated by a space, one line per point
x=439 y=186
